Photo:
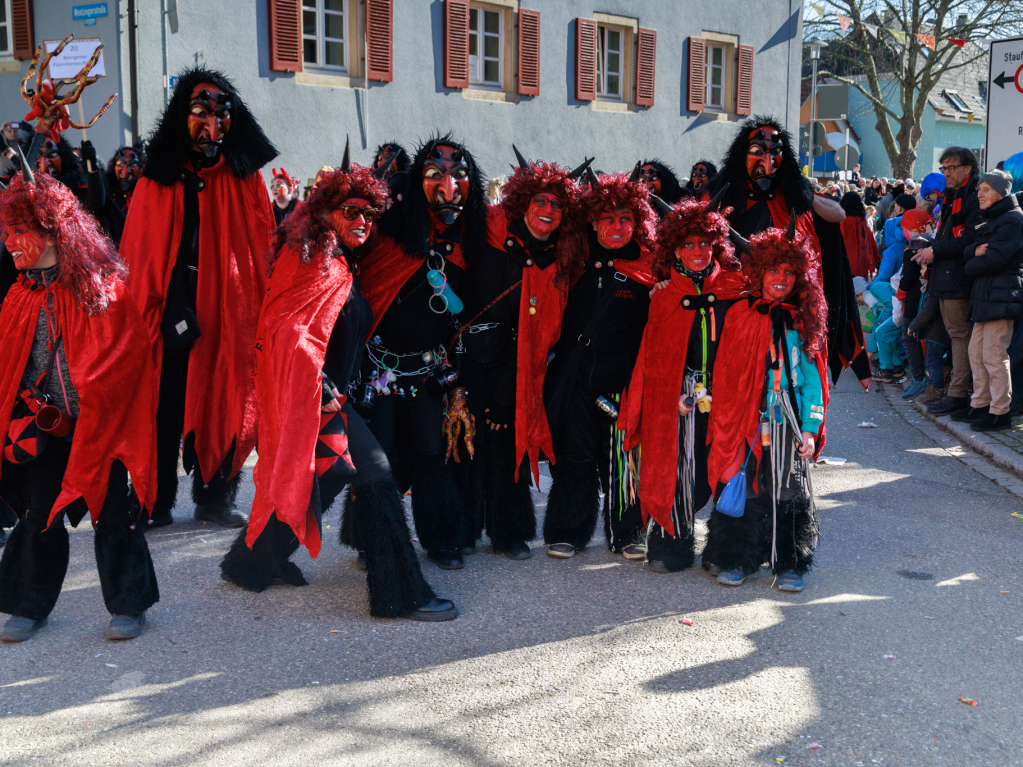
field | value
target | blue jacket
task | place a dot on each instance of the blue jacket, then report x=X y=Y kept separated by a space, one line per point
x=895 y=242
x=807 y=385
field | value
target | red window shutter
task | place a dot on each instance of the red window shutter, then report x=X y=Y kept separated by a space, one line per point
x=646 y=60
x=285 y=35
x=697 y=73
x=529 y=52
x=585 y=59
x=379 y=40
x=744 y=81
x=24 y=39
x=456 y=43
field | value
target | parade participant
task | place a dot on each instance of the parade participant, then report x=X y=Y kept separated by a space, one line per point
x=198 y=229
x=123 y=173
x=438 y=230
x=600 y=336
x=514 y=297
x=860 y=246
x=668 y=403
x=75 y=420
x=769 y=421
x=700 y=175
x=397 y=168
x=284 y=191
x=312 y=332
x=661 y=180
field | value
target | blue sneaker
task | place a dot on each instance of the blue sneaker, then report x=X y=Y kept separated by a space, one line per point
x=790 y=580
x=735 y=577
x=914 y=390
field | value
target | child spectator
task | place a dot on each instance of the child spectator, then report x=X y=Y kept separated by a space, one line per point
x=895 y=244
x=884 y=338
x=914 y=223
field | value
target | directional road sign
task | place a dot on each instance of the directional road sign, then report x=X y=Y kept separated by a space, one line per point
x=1004 y=101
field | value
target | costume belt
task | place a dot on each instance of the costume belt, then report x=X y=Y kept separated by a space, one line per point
x=419 y=363
x=481 y=327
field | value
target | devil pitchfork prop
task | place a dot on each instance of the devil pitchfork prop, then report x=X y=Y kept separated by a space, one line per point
x=49 y=105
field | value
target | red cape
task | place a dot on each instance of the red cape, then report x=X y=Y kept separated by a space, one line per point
x=859 y=246
x=386 y=268
x=537 y=335
x=781 y=215
x=649 y=411
x=741 y=362
x=641 y=270
x=235 y=226
x=107 y=355
x=295 y=324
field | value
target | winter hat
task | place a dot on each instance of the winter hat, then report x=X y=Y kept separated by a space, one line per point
x=998 y=180
x=906 y=201
x=859 y=285
x=914 y=219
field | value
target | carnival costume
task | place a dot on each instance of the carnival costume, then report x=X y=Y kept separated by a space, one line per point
x=74 y=419
x=282 y=181
x=661 y=181
x=198 y=231
x=123 y=173
x=700 y=175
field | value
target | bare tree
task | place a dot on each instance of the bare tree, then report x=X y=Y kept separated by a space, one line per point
x=896 y=66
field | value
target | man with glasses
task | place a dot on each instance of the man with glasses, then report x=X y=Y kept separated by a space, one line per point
x=283 y=190
x=957 y=230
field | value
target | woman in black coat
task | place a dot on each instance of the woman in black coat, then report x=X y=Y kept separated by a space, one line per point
x=995 y=262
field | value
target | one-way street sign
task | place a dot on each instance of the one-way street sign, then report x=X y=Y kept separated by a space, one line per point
x=1004 y=102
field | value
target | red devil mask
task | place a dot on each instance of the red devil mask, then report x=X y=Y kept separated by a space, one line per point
x=695 y=253
x=49 y=161
x=699 y=176
x=614 y=230
x=649 y=176
x=778 y=282
x=127 y=167
x=209 y=118
x=387 y=150
x=26 y=245
x=763 y=157
x=353 y=221
x=446 y=182
x=544 y=214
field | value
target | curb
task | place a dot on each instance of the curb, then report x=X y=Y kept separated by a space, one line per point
x=1009 y=473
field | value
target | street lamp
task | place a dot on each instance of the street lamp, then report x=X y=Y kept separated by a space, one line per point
x=815 y=46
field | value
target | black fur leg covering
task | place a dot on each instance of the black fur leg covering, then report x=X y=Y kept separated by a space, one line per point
x=32 y=570
x=255 y=569
x=395 y=580
x=469 y=475
x=735 y=542
x=677 y=552
x=797 y=535
x=217 y=491
x=624 y=530
x=126 y=572
x=346 y=530
x=573 y=505
x=510 y=515
x=437 y=507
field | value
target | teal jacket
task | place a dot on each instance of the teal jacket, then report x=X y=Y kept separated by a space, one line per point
x=807 y=385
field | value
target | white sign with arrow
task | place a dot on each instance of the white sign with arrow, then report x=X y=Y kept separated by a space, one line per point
x=1004 y=101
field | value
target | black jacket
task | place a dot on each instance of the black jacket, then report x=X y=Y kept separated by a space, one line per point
x=910 y=285
x=957 y=230
x=998 y=286
x=928 y=324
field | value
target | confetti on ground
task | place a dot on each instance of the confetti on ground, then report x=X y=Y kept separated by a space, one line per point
x=867 y=425
x=889 y=657
x=831 y=460
x=1017 y=515
x=335 y=631
x=928 y=617
x=815 y=745
x=111 y=665
x=780 y=759
x=968 y=702
x=1005 y=592
x=687 y=621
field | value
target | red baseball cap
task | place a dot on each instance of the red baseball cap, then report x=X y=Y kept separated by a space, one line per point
x=914 y=219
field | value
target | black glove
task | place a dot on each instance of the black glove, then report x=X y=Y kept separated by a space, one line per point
x=89 y=153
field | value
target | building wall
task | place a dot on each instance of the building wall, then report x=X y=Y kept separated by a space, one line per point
x=951 y=133
x=309 y=122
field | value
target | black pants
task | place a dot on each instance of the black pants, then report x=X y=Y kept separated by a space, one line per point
x=35 y=560
x=410 y=431
x=374 y=521
x=170 y=422
x=496 y=492
x=582 y=450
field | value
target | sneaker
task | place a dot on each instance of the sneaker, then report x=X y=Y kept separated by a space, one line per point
x=949 y=405
x=126 y=626
x=932 y=395
x=561 y=550
x=20 y=629
x=634 y=551
x=883 y=376
x=970 y=415
x=992 y=422
x=790 y=580
x=898 y=372
x=735 y=577
x=914 y=390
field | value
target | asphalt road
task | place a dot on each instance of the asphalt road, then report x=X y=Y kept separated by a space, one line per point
x=580 y=662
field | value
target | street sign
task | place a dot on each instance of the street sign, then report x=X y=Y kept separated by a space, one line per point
x=74 y=56
x=1004 y=101
x=846 y=157
x=87 y=12
x=819 y=132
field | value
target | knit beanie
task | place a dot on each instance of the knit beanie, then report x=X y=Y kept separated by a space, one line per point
x=998 y=180
x=906 y=201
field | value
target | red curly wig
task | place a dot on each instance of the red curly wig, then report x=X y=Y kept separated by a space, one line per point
x=306 y=230
x=550 y=178
x=87 y=261
x=689 y=218
x=772 y=247
x=616 y=191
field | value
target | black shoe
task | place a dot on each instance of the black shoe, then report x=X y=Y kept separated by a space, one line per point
x=219 y=514
x=884 y=376
x=437 y=610
x=1016 y=408
x=19 y=629
x=898 y=373
x=517 y=551
x=469 y=548
x=447 y=560
x=971 y=415
x=360 y=561
x=155 y=522
x=126 y=626
x=948 y=405
x=992 y=422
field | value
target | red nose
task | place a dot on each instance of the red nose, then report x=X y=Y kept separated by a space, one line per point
x=447 y=188
x=213 y=128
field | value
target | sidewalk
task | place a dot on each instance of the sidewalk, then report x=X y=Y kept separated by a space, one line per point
x=1002 y=448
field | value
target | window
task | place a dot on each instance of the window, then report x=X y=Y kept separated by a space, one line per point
x=324 y=37
x=609 y=62
x=6 y=33
x=485 y=47
x=957 y=101
x=714 y=100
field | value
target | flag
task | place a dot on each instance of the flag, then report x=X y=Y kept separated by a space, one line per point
x=956 y=41
x=969 y=119
x=927 y=40
x=819 y=9
x=843 y=22
x=872 y=29
x=957 y=117
x=898 y=34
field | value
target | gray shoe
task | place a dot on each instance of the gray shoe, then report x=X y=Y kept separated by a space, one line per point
x=20 y=629
x=126 y=626
x=219 y=514
x=561 y=550
x=635 y=551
